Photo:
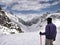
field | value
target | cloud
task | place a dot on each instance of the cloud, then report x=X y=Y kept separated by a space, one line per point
x=55 y=3
x=6 y=1
x=28 y=4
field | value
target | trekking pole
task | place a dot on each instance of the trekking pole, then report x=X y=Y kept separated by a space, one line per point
x=40 y=40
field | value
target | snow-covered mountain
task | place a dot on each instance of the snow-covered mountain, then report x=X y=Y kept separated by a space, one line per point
x=28 y=23
x=38 y=22
x=5 y=21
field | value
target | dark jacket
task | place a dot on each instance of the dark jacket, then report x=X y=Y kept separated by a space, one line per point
x=50 y=31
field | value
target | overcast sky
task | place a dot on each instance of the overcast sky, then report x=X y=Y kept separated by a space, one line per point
x=30 y=6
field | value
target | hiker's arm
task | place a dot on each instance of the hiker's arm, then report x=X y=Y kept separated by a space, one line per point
x=46 y=31
x=42 y=33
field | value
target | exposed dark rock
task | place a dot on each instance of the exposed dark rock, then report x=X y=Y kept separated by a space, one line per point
x=5 y=21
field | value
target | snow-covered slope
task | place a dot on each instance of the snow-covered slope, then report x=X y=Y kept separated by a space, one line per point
x=31 y=38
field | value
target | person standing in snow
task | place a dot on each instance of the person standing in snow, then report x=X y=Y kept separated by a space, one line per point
x=50 y=32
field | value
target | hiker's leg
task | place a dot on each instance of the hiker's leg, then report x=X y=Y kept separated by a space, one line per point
x=51 y=42
x=47 y=42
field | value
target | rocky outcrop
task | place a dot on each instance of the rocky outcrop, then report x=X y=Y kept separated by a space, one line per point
x=5 y=21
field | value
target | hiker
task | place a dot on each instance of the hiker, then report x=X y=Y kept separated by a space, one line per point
x=50 y=32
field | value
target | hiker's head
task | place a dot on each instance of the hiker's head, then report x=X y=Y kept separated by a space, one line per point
x=49 y=20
